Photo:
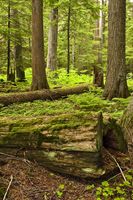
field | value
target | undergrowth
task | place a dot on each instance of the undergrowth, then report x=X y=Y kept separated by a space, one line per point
x=118 y=190
x=86 y=102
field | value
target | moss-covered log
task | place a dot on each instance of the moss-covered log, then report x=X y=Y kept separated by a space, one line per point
x=69 y=143
x=127 y=124
x=62 y=143
x=41 y=95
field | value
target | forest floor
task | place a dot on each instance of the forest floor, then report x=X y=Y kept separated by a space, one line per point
x=33 y=182
x=29 y=181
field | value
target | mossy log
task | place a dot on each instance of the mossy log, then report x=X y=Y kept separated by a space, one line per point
x=57 y=143
x=69 y=143
x=41 y=95
x=127 y=124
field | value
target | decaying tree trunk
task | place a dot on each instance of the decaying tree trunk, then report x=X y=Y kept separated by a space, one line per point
x=127 y=124
x=69 y=143
x=57 y=143
x=41 y=95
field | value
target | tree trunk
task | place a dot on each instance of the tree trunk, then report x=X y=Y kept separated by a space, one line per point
x=20 y=74
x=68 y=38
x=39 y=79
x=127 y=124
x=8 y=42
x=52 y=40
x=116 y=84
x=42 y=95
x=98 y=68
x=10 y=70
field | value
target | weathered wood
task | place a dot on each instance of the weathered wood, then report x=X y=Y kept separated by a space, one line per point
x=114 y=136
x=41 y=95
x=67 y=148
x=127 y=124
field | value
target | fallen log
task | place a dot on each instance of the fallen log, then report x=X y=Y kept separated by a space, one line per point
x=127 y=124
x=70 y=143
x=41 y=95
x=75 y=150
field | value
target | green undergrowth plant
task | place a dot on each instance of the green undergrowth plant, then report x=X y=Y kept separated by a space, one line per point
x=61 y=78
x=60 y=191
x=83 y=103
x=117 y=190
x=57 y=79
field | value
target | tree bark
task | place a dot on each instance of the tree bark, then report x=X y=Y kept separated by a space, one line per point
x=98 y=68
x=39 y=79
x=42 y=95
x=116 y=84
x=52 y=40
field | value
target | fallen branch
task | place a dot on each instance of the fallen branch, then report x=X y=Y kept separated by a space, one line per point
x=42 y=95
x=9 y=185
x=117 y=165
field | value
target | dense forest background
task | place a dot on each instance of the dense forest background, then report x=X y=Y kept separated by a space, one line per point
x=75 y=38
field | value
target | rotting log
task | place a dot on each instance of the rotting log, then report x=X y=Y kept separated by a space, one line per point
x=70 y=143
x=67 y=148
x=127 y=124
x=41 y=95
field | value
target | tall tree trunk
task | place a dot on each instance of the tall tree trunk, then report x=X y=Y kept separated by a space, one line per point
x=39 y=79
x=68 y=38
x=10 y=70
x=116 y=84
x=20 y=74
x=98 y=68
x=52 y=40
x=73 y=50
x=8 y=41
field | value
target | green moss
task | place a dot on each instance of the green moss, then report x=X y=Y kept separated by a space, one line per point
x=76 y=104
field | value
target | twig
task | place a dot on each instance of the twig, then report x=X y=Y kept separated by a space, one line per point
x=9 y=185
x=117 y=165
x=117 y=175
x=16 y=158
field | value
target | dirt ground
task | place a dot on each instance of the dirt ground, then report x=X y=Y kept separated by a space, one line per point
x=33 y=182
